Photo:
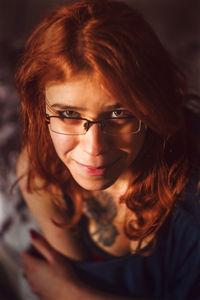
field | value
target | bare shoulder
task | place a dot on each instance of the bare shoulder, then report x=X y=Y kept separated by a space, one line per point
x=22 y=173
x=39 y=200
x=23 y=164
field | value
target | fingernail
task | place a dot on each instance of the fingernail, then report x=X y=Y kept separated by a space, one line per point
x=33 y=234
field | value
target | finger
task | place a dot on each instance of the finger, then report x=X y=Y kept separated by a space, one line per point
x=42 y=246
x=30 y=263
x=34 y=252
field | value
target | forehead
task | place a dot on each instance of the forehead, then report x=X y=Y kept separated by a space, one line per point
x=84 y=92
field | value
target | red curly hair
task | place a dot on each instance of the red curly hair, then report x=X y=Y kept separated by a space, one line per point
x=111 y=41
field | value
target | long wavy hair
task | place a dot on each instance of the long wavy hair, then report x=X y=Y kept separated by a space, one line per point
x=111 y=41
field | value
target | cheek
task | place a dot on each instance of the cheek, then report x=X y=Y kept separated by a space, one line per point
x=132 y=144
x=63 y=143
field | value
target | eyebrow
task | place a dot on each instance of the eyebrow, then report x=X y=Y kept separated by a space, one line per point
x=66 y=107
x=71 y=107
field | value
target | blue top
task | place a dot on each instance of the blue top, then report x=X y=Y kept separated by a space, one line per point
x=171 y=272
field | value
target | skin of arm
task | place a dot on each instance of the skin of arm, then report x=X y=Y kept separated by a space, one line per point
x=42 y=208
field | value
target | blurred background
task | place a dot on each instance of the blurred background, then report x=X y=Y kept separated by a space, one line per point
x=176 y=22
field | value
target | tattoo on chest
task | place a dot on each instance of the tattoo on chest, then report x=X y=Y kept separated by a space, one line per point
x=102 y=211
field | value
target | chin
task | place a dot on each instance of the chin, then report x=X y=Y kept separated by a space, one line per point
x=95 y=185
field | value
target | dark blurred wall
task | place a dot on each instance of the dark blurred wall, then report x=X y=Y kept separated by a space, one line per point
x=177 y=23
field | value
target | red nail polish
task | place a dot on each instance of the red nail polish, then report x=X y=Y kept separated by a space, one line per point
x=33 y=234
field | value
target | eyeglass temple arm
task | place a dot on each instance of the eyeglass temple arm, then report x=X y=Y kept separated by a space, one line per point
x=47 y=119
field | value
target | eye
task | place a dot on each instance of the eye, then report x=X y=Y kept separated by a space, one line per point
x=69 y=114
x=120 y=114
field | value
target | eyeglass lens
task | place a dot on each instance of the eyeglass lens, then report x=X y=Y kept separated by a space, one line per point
x=109 y=126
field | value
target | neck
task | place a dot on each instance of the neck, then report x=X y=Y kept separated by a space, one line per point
x=116 y=190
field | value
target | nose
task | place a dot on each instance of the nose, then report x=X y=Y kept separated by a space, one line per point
x=94 y=142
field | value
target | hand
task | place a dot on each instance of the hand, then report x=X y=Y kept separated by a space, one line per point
x=50 y=274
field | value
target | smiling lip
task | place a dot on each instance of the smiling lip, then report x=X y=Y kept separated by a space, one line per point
x=94 y=171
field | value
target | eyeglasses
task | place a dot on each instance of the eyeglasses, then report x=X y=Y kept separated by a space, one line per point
x=79 y=126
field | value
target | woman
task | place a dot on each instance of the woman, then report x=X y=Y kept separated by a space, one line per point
x=107 y=166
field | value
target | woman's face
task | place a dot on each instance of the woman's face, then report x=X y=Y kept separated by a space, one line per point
x=95 y=160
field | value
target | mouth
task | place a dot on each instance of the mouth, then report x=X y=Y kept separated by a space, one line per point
x=94 y=170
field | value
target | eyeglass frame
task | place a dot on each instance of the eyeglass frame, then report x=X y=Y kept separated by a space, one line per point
x=89 y=123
